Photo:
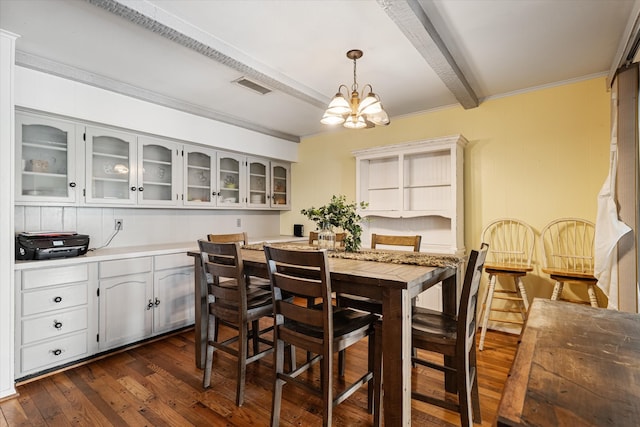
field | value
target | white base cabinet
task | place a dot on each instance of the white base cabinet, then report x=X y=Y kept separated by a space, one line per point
x=173 y=288
x=71 y=312
x=55 y=317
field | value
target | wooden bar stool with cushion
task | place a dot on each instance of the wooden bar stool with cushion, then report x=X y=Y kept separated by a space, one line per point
x=368 y=304
x=511 y=244
x=568 y=255
x=451 y=336
x=322 y=329
x=233 y=302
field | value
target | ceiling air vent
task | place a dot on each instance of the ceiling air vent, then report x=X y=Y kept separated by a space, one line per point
x=243 y=81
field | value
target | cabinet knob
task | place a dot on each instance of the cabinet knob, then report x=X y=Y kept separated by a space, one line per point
x=150 y=305
x=57 y=325
x=56 y=352
x=57 y=299
x=156 y=302
x=72 y=184
x=214 y=194
x=133 y=188
x=140 y=188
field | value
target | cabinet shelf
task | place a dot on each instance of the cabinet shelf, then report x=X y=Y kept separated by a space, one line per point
x=110 y=179
x=229 y=171
x=157 y=162
x=162 y=184
x=200 y=187
x=202 y=168
x=50 y=146
x=110 y=156
x=45 y=174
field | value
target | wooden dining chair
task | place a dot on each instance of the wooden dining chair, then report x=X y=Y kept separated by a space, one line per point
x=233 y=302
x=367 y=304
x=240 y=237
x=322 y=329
x=511 y=244
x=450 y=336
x=568 y=255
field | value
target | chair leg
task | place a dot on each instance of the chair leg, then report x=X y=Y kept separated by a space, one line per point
x=475 y=394
x=557 y=291
x=326 y=382
x=593 y=298
x=370 y=367
x=487 y=310
x=208 y=364
x=255 y=328
x=276 y=403
x=464 y=391
x=242 y=362
x=341 y=362
x=377 y=378
x=523 y=295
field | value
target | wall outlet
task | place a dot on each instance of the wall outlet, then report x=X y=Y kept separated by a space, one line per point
x=118 y=224
x=239 y=222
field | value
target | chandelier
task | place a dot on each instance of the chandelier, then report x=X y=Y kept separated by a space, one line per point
x=352 y=112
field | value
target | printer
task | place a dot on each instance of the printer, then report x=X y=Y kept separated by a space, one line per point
x=50 y=244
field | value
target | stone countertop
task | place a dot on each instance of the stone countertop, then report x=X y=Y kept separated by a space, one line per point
x=108 y=254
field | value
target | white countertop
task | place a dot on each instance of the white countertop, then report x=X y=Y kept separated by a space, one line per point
x=108 y=254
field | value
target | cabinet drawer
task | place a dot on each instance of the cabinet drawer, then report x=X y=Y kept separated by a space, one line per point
x=53 y=299
x=56 y=352
x=39 y=278
x=125 y=267
x=53 y=325
x=163 y=262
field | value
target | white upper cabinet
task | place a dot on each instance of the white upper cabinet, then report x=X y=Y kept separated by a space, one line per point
x=45 y=160
x=110 y=167
x=258 y=173
x=231 y=180
x=158 y=172
x=280 y=185
x=200 y=178
x=124 y=169
x=416 y=186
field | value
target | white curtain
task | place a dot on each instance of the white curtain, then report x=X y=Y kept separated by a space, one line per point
x=609 y=228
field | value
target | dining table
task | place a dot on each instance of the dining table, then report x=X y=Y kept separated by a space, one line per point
x=387 y=276
x=575 y=366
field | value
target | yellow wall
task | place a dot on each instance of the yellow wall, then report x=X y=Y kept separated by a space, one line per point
x=535 y=156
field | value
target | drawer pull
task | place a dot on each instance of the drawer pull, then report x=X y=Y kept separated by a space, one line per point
x=56 y=352
x=57 y=299
x=156 y=302
x=150 y=305
x=57 y=325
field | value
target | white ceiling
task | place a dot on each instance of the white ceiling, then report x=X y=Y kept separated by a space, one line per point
x=186 y=53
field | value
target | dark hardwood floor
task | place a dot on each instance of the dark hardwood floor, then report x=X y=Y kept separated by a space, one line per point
x=157 y=384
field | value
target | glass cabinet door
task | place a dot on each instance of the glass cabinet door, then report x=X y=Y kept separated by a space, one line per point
x=45 y=158
x=258 y=183
x=280 y=185
x=157 y=172
x=230 y=180
x=199 y=176
x=111 y=173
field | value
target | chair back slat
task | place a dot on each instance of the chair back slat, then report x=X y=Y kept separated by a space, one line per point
x=469 y=298
x=300 y=314
x=388 y=240
x=229 y=238
x=511 y=242
x=568 y=244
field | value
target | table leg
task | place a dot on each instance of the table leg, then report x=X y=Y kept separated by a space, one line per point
x=200 y=301
x=396 y=342
x=449 y=306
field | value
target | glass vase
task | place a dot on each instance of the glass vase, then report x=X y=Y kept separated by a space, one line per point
x=327 y=238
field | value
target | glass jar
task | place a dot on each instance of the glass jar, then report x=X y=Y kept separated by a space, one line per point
x=327 y=238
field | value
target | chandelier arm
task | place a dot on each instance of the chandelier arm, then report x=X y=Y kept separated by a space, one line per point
x=362 y=94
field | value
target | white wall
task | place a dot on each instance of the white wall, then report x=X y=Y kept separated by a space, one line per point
x=146 y=226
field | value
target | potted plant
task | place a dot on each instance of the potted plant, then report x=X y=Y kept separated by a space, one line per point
x=338 y=213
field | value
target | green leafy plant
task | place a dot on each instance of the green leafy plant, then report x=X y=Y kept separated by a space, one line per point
x=339 y=213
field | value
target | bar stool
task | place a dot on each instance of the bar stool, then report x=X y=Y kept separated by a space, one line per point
x=511 y=244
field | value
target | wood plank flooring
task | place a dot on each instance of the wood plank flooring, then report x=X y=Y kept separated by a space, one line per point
x=158 y=385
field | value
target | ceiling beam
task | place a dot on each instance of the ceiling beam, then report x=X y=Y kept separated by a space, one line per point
x=413 y=21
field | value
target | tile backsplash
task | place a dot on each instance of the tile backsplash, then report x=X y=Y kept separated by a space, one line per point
x=146 y=226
